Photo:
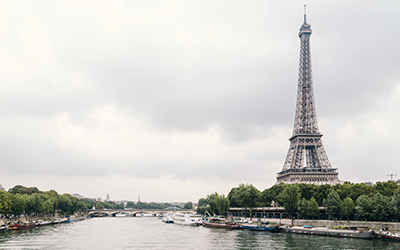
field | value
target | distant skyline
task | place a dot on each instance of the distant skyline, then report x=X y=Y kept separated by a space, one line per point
x=174 y=100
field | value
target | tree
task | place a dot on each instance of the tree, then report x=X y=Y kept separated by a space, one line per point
x=88 y=203
x=48 y=206
x=343 y=190
x=347 y=207
x=219 y=204
x=188 y=205
x=37 y=203
x=119 y=205
x=386 y=188
x=302 y=208
x=5 y=202
x=29 y=204
x=51 y=193
x=307 y=190
x=332 y=204
x=18 y=189
x=99 y=205
x=141 y=205
x=223 y=205
x=358 y=189
x=18 y=204
x=203 y=209
x=290 y=197
x=364 y=206
x=65 y=204
x=232 y=197
x=312 y=208
x=247 y=195
x=396 y=202
x=272 y=194
x=130 y=204
x=321 y=193
x=380 y=206
x=81 y=206
x=202 y=202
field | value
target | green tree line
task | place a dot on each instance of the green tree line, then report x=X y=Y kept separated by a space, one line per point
x=21 y=200
x=342 y=201
x=145 y=205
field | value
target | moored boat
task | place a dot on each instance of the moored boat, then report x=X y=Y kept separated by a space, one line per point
x=261 y=227
x=167 y=218
x=40 y=223
x=59 y=221
x=362 y=233
x=21 y=225
x=188 y=219
x=143 y=215
x=220 y=223
x=386 y=235
x=122 y=214
x=71 y=218
x=3 y=228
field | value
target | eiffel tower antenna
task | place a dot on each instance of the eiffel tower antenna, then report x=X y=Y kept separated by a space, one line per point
x=306 y=160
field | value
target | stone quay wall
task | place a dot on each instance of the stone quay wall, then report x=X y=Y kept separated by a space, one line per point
x=375 y=225
x=79 y=216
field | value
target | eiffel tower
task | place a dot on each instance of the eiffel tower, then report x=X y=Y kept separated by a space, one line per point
x=306 y=160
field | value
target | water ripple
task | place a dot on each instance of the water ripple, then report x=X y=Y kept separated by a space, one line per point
x=151 y=233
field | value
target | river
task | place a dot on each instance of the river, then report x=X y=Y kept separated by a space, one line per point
x=151 y=233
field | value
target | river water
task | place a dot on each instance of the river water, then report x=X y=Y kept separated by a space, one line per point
x=151 y=233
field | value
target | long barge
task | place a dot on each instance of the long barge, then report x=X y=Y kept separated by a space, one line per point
x=260 y=227
x=220 y=225
x=361 y=233
x=21 y=225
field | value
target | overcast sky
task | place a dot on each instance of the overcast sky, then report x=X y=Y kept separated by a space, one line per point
x=173 y=100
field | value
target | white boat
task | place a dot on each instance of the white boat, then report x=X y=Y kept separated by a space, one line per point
x=143 y=215
x=187 y=219
x=168 y=218
x=122 y=214
x=41 y=223
x=59 y=221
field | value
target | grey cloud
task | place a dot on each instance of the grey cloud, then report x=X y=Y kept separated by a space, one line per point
x=190 y=67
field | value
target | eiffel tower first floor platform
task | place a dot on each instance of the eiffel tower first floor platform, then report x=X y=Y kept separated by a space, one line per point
x=307 y=176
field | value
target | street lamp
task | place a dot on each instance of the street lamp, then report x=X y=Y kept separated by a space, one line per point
x=391 y=176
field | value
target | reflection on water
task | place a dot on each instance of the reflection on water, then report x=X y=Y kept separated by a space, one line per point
x=151 y=233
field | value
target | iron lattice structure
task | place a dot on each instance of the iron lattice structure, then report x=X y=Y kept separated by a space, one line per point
x=306 y=160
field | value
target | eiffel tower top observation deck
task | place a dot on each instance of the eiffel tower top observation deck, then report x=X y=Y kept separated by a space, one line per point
x=306 y=160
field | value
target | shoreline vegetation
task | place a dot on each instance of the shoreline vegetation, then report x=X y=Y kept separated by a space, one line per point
x=30 y=203
x=347 y=201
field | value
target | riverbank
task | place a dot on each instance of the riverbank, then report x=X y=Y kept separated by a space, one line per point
x=374 y=225
x=79 y=216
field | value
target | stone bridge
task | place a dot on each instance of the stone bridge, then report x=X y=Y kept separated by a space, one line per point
x=133 y=212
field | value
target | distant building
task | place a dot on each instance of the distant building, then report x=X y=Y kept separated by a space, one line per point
x=79 y=196
x=369 y=183
x=1 y=188
x=398 y=182
x=108 y=197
